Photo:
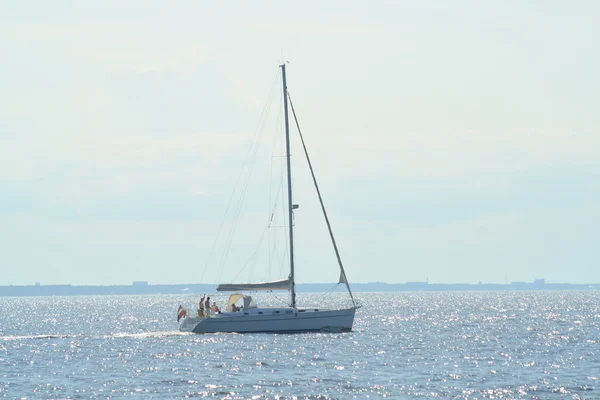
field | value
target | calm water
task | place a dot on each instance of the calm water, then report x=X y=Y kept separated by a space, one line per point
x=404 y=345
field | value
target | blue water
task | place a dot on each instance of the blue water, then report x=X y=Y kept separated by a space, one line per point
x=502 y=345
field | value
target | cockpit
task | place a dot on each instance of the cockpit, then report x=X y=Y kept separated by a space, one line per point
x=239 y=302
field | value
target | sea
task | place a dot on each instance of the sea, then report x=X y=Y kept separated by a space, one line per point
x=404 y=345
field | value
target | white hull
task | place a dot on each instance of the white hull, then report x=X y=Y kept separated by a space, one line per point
x=272 y=320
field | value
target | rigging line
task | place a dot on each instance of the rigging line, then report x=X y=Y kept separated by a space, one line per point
x=282 y=166
x=253 y=256
x=274 y=249
x=260 y=240
x=337 y=253
x=269 y=97
x=239 y=208
x=260 y=130
x=237 y=213
x=332 y=289
x=267 y=229
x=277 y=195
x=285 y=256
x=270 y=217
x=271 y=198
x=272 y=223
x=222 y=221
x=273 y=209
x=327 y=295
x=281 y=300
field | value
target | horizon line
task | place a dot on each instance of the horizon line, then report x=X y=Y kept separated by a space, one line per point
x=416 y=283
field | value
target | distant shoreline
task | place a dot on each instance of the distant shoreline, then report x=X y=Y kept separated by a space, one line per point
x=142 y=288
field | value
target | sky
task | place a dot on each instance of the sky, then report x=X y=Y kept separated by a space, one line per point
x=453 y=141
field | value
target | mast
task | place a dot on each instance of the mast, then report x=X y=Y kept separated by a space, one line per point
x=289 y=185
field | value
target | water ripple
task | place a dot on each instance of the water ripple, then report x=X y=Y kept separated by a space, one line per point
x=501 y=345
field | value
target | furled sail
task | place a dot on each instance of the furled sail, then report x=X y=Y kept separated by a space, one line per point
x=285 y=284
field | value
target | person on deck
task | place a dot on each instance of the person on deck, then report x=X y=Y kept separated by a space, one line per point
x=201 y=308
x=234 y=308
x=207 y=306
x=215 y=308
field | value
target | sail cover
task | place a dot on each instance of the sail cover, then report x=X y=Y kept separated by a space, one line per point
x=285 y=284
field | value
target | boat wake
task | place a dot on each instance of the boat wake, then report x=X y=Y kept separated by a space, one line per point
x=146 y=335
x=29 y=337
x=141 y=335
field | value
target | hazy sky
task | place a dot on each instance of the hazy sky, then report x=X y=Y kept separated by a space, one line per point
x=456 y=141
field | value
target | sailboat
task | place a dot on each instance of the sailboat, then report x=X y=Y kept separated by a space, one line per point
x=248 y=317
